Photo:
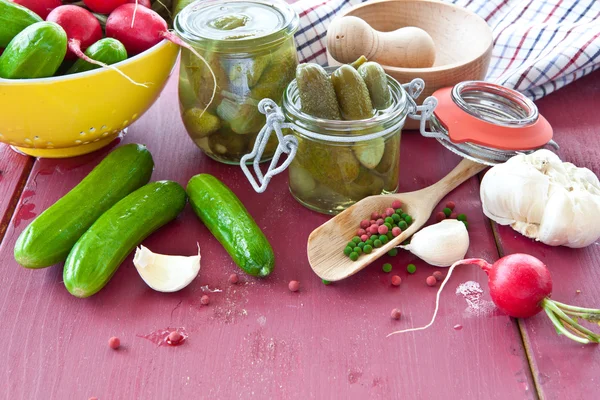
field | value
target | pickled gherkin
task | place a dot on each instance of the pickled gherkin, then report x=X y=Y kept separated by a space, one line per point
x=328 y=164
x=352 y=94
x=317 y=96
x=242 y=118
x=377 y=83
x=369 y=153
x=360 y=61
x=247 y=72
x=229 y=22
x=200 y=123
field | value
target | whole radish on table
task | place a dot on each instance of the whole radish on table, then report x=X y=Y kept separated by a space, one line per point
x=521 y=285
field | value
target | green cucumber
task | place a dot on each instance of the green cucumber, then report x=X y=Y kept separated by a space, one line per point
x=13 y=19
x=50 y=237
x=108 y=51
x=100 y=251
x=229 y=221
x=36 y=52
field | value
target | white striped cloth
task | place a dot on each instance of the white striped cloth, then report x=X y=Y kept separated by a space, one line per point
x=539 y=45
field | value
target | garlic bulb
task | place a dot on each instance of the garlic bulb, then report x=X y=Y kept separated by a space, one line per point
x=544 y=198
x=441 y=244
x=165 y=273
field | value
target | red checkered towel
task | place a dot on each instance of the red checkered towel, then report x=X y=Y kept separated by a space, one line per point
x=539 y=45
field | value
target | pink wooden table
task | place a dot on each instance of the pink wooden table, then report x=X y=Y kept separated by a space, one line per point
x=257 y=339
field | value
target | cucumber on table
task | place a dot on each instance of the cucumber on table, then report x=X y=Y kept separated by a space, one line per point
x=100 y=251
x=36 y=52
x=229 y=221
x=13 y=19
x=50 y=237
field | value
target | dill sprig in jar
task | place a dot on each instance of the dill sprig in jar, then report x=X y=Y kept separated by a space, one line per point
x=249 y=47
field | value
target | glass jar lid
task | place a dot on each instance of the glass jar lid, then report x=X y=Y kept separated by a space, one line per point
x=236 y=24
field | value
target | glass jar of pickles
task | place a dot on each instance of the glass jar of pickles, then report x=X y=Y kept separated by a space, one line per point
x=334 y=160
x=250 y=54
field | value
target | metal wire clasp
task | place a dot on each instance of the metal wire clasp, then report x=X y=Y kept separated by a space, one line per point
x=287 y=144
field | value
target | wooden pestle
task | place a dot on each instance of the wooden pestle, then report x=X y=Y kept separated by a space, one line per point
x=348 y=38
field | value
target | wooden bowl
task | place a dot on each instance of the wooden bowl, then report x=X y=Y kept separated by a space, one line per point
x=463 y=40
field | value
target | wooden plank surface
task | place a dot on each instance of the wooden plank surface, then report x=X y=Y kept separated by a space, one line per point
x=564 y=369
x=255 y=339
x=14 y=169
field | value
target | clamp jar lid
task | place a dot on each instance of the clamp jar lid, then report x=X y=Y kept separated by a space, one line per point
x=241 y=25
x=485 y=122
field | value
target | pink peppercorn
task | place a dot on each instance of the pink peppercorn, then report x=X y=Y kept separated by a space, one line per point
x=396 y=231
x=396 y=204
x=234 y=278
x=431 y=281
x=294 y=286
x=396 y=314
x=396 y=280
x=382 y=230
x=364 y=223
x=360 y=232
x=93 y=398
x=453 y=215
x=440 y=216
x=174 y=337
x=380 y=221
x=438 y=275
x=389 y=212
x=205 y=300
x=373 y=229
x=114 y=343
x=364 y=237
x=374 y=215
x=450 y=205
x=373 y=222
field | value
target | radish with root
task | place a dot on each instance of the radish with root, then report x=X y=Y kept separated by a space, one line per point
x=83 y=30
x=103 y=6
x=521 y=285
x=145 y=3
x=40 y=7
x=140 y=28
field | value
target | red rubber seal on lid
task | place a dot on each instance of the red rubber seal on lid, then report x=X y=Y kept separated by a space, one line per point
x=464 y=127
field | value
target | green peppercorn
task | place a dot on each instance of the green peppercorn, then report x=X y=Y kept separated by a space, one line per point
x=384 y=239
x=389 y=226
x=367 y=249
x=403 y=215
x=411 y=268
x=399 y=211
x=348 y=250
x=466 y=224
x=358 y=250
x=447 y=212
x=408 y=219
x=403 y=225
x=377 y=243
x=387 y=267
x=356 y=239
x=389 y=220
x=369 y=242
x=461 y=217
x=354 y=256
x=396 y=217
x=351 y=245
x=406 y=242
x=361 y=245
x=325 y=282
x=393 y=252
x=390 y=235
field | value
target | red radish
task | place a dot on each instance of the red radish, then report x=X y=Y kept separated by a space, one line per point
x=140 y=28
x=40 y=7
x=104 y=6
x=145 y=3
x=521 y=285
x=83 y=30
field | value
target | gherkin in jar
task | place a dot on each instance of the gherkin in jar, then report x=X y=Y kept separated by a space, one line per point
x=249 y=46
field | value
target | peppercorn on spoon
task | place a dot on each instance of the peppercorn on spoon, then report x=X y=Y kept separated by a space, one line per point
x=326 y=243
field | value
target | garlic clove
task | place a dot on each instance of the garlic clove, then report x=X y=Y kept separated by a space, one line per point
x=165 y=273
x=441 y=244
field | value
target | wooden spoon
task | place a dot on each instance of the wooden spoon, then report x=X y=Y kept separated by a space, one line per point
x=327 y=242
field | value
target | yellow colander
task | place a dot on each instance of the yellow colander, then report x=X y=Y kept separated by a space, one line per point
x=70 y=115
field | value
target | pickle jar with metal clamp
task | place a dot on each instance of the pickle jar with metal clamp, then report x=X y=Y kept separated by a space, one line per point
x=247 y=54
